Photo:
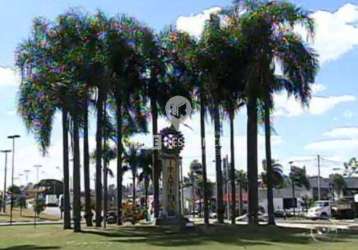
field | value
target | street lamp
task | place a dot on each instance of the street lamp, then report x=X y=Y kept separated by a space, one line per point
x=19 y=178
x=13 y=137
x=5 y=177
x=37 y=172
x=27 y=171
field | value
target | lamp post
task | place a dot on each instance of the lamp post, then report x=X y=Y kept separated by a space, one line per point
x=37 y=172
x=27 y=171
x=5 y=177
x=12 y=137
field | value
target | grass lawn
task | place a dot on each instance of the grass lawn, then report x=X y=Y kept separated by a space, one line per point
x=27 y=215
x=148 y=237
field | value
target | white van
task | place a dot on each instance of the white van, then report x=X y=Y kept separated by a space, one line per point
x=320 y=210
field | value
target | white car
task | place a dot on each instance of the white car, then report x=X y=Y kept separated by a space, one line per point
x=320 y=210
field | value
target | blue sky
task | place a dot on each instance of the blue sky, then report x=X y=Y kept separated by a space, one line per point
x=329 y=127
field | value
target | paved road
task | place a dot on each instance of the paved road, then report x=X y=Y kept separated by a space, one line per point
x=304 y=224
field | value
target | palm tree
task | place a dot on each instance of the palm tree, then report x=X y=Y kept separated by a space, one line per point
x=133 y=159
x=221 y=62
x=234 y=86
x=86 y=166
x=44 y=89
x=278 y=179
x=125 y=62
x=151 y=55
x=212 y=43
x=351 y=167
x=147 y=172
x=199 y=190
x=298 y=178
x=338 y=183
x=275 y=181
x=76 y=172
x=241 y=179
x=97 y=79
x=268 y=27
x=66 y=175
x=108 y=155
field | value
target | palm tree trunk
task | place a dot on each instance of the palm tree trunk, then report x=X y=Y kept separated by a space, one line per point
x=232 y=172
x=119 y=161
x=134 y=196
x=203 y=158
x=76 y=175
x=105 y=193
x=241 y=206
x=105 y=168
x=66 y=174
x=156 y=165
x=99 y=136
x=86 y=169
x=252 y=160
x=219 y=181
x=270 y=206
x=146 y=186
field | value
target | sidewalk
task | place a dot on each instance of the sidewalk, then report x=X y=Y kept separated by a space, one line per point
x=25 y=223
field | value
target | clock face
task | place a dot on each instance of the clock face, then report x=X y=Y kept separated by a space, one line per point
x=172 y=141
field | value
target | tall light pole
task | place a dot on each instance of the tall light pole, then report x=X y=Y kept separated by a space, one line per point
x=27 y=171
x=37 y=172
x=12 y=137
x=5 y=177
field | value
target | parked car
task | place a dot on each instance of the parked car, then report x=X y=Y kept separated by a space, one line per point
x=320 y=210
x=263 y=217
x=212 y=215
x=51 y=200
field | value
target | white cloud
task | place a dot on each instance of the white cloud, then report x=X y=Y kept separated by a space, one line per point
x=348 y=114
x=338 y=145
x=11 y=112
x=336 y=32
x=194 y=24
x=285 y=106
x=333 y=145
x=317 y=88
x=343 y=132
x=8 y=77
x=319 y=105
x=333 y=153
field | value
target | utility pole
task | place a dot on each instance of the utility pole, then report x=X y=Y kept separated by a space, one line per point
x=12 y=137
x=5 y=177
x=319 y=176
